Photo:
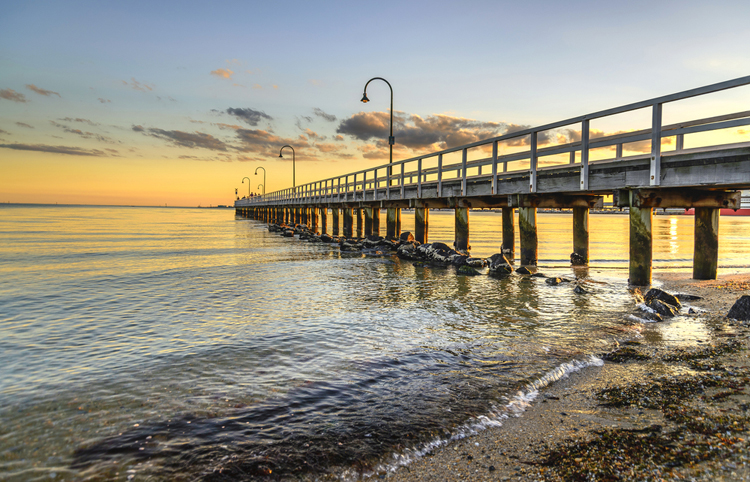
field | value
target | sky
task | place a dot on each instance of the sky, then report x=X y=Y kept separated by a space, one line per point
x=176 y=102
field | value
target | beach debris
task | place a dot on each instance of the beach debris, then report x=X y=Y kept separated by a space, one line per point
x=741 y=309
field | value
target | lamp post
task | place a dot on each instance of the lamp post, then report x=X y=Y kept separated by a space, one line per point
x=248 y=185
x=294 y=181
x=391 y=139
x=264 y=188
x=264 y=177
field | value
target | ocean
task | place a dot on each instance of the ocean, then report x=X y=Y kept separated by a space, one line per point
x=144 y=343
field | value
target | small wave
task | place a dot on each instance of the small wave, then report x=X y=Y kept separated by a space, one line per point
x=516 y=405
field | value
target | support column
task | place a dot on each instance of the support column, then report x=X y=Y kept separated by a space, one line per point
x=421 y=222
x=323 y=220
x=393 y=223
x=314 y=219
x=640 y=245
x=462 y=230
x=286 y=215
x=509 y=234
x=706 y=250
x=359 y=222
x=376 y=221
x=368 y=222
x=348 y=221
x=581 y=233
x=529 y=241
x=335 y=216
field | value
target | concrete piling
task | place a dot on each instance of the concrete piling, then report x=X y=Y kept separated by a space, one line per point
x=461 y=242
x=358 y=215
x=323 y=220
x=335 y=216
x=528 y=235
x=421 y=224
x=706 y=246
x=348 y=221
x=641 y=245
x=368 y=222
x=393 y=223
x=376 y=221
x=509 y=234
x=581 y=232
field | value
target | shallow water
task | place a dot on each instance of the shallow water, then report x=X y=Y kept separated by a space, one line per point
x=187 y=344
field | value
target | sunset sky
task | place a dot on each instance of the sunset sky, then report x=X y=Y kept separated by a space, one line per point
x=153 y=103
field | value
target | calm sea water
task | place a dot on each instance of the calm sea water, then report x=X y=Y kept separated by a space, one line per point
x=188 y=344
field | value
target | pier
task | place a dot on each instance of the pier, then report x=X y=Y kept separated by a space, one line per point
x=576 y=175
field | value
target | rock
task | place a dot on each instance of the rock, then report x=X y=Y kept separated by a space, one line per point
x=579 y=290
x=523 y=270
x=288 y=233
x=499 y=264
x=538 y=275
x=684 y=297
x=476 y=262
x=467 y=270
x=664 y=309
x=556 y=281
x=408 y=251
x=577 y=260
x=741 y=309
x=326 y=238
x=657 y=294
x=459 y=260
x=406 y=236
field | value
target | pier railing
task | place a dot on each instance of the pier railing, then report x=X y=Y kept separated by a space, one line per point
x=389 y=181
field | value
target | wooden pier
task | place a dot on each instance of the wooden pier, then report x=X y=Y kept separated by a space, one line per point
x=707 y=179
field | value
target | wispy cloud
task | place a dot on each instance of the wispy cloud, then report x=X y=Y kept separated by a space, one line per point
x=104 y=101
x=72 y=151
x=23 y=124
x=3 y=132
x=141 y=86
x=250 y=116
x=41 y=91
x=78 y=119
x=84 y=134
x=329 y=117
x=223 y=73
x=10 y=94
x=190 y=140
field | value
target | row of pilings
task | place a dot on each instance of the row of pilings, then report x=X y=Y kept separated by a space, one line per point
x=362 y=220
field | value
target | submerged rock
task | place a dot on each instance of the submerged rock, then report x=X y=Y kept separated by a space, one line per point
x=556 y=281
x=499 y=265
x=741 y=309
x=579 y=290
x=476 y=262
x=523 y=270
x=467 y=270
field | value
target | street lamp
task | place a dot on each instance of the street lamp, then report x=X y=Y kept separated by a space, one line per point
x=294 y=181
x=391 y=139
x=264 y=188
x=264 y=177
x=248 y=185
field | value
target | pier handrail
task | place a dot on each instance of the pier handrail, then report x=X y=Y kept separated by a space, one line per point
x=354 y=186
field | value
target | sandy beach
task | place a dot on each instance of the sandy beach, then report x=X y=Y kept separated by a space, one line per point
x=651 y=412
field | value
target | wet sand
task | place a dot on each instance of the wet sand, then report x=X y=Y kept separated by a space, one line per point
x=570 y=433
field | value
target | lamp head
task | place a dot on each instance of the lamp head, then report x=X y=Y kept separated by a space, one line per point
x=280 y=155
x=365 y=100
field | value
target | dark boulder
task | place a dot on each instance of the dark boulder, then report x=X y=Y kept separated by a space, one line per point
x=326 y=238
x=685 y=297
x=657 y=294
x=741 y=309
x=476 y=262
x=406 y=236
x=288 y=233
x=664 y=309
x=459 y=260
x=577 y=260
x=556 y=281
x=408 y=251
x=499 y=264
x=523 y=270
x=579 y=290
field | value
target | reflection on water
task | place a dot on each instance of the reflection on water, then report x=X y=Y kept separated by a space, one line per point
x=185 y=343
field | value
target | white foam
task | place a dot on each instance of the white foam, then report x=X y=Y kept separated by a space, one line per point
x=515 y=407
x=640 y=320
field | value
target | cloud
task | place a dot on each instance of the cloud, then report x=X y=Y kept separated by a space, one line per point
x=84 y=134
x=192 y=140
x=4 y=132
x=434 y=132
x=141 y=86
x=10 y=94
x=103 y=101
x=223 y=73
x=339 y=138
x=275 y=86
x=248 y=115
x=223 y=126
x=257 y=86
x=78 y=119
x=72 y=151
x=23 y=124
x=329 y=117
x=41 y=91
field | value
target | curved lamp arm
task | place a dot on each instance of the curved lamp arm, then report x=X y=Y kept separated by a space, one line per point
x=391 y=139
x=294 y=169
x=264 y=177
x=248 y=185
